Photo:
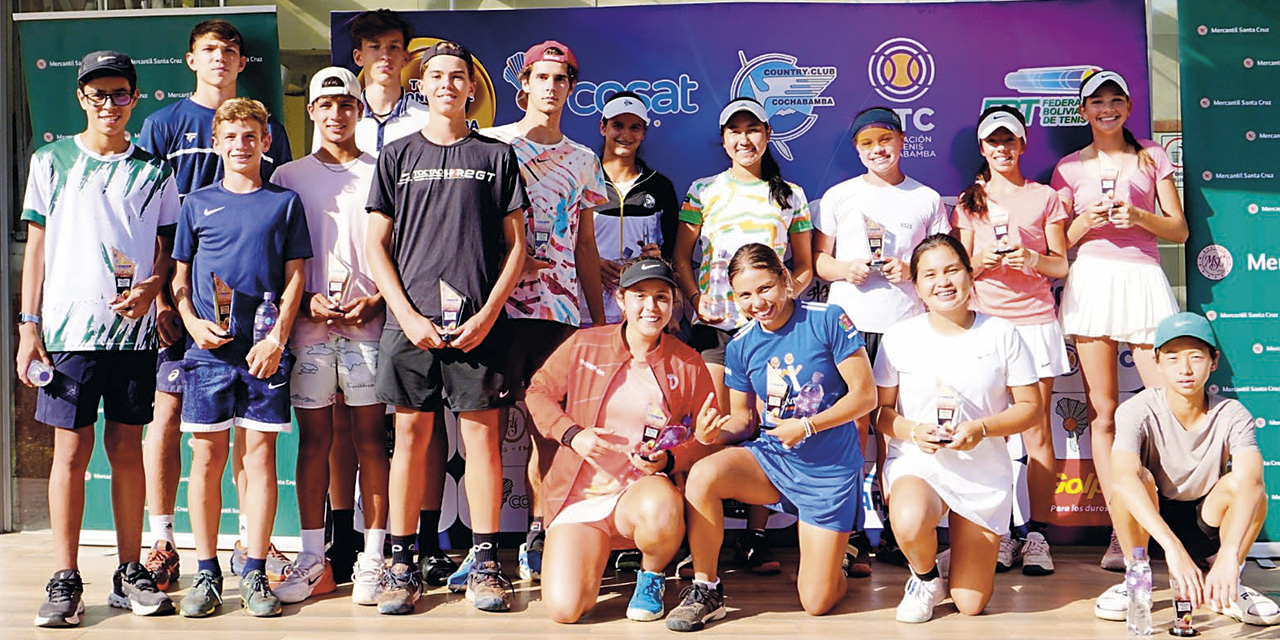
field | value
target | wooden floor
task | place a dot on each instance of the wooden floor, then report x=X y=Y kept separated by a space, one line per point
x=1058 y=606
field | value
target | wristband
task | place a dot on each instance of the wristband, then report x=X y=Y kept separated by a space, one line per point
x=808 y=427
x=567 y=438
x=24 y=318
x=671 y=463
x=1034 y=260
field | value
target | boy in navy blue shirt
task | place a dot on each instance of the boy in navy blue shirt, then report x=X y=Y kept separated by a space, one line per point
x=180 y=134
x=239 y=240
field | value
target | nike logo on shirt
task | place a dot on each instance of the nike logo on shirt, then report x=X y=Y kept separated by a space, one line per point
x=209 y=212
x=277 y=385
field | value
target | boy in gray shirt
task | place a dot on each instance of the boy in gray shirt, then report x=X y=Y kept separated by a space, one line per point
x=1171 y=479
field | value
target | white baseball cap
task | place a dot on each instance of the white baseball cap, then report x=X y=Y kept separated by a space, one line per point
x=1094 y=81
x=333 y=81
x=620 y=104
x=997 y=120
x=743 y=104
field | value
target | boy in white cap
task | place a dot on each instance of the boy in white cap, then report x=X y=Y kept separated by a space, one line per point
x=1171 y=481
x=336 y=337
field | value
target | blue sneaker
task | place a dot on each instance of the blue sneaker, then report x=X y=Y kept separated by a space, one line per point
x=646 y=602
x=458 y=581
x=531 y=560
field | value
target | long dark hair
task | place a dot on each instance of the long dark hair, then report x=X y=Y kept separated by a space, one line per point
x=939 y=240
x=757 y=256
x=974 y=197
x=779 y=189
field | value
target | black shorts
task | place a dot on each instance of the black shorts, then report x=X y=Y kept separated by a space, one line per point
x=433 y=379
x=1183 y=517
x=872 y=341
x=710 y=342
x=532 y=342
x=124 y=382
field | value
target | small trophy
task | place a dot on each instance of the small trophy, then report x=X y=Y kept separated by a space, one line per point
x=947 y=404
x=1182 y=610
x=875 y=241
x=124 y=270
x=1000 y=225
x=222 y=297
x=452 y=304
x=775 y=396
x=658 y=435
x=541 y=235
x=339 y=282
x=1110 y=174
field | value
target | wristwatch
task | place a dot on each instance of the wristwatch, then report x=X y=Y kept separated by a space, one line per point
x=24 y=318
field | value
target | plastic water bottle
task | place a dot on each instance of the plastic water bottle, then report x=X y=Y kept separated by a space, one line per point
x=718 y=287
x=39 y=373
x=264 y=319
x=810 y=397
x=1137 y=581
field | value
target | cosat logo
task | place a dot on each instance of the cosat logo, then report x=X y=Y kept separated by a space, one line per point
x=788 y=91
x=901 y=70
x=1214 y=262
x=663 y=96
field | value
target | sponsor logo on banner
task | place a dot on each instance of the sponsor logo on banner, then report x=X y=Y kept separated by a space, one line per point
x=901 y=70
x=1075 y=420
x=1051 y=95
x=1262 y=262
x=1077 y=499
x=1215 y=262
x=482 y=108
x=662 y=96
x=789 y=93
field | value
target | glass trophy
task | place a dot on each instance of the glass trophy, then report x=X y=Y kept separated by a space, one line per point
x=948 y=402
x=875 y=241
x=1000 y=225
x=339 y=282
x=222 y=297
x=123 y=269
x=452 y=308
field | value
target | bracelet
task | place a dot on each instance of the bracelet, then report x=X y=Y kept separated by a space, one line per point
x=567 y=438
x=984 y=427
x=671 y=463
x=808 y=427
x=1035 y=259
x=913 y=433
x=272 y=339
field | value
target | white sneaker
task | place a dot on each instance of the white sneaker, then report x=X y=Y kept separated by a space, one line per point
x=1007 y=557
x=1035 y=557
x=366 y=579
x=920 y=599
x=1113 y=604
x=944 y=564
x=1251 y=607
x=304 y=578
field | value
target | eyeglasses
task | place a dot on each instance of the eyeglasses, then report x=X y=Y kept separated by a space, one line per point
x=98 y=99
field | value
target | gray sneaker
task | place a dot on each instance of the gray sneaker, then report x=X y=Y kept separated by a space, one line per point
x=63 y=605
x=401 y=588
x=699 y=604
x=133 y=587
x=204 y=597
x=256 y=597
x=488 y=589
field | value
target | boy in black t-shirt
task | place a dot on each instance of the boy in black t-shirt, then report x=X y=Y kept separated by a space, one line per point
x=446 y=245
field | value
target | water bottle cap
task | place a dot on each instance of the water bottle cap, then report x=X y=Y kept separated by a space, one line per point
x=269 y=296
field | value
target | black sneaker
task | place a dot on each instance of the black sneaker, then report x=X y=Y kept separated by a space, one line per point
x=488 y=589
x=753 y=551
x=888 y=550
x=401 y=588
x=699 y=604
x=857 y=556
x=133 y=587
x=436 y=567
x=63 y=605
x=628 y=560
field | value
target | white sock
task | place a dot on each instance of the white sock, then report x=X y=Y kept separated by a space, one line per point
x=313 y=541
x=709 y=585
x=373 y=541
x=244 y=531
x=162 y=528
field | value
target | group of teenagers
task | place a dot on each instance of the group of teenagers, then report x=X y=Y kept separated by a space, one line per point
x=420 y=266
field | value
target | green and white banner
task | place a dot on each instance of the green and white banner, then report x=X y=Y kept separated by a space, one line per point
x=1230 y=57
x=52 y=45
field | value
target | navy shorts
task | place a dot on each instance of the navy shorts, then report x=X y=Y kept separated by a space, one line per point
x=432 y=379
x=169 y=367
x=122 y=381
x=710 y=342
x=532 y=342
x=219 y=396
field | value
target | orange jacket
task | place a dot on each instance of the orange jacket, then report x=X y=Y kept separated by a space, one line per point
x=570 y=387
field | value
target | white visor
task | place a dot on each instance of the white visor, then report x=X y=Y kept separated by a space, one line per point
x=743 y=104
x=997 y=120
x=626 y=104
x=1092 y=83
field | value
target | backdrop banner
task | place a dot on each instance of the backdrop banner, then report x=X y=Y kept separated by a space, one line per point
x=814 y=66
x=1230 y=59
x=52 y=45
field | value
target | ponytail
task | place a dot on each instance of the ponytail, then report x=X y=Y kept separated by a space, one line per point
x=1144 y=158
x=779 y=190
x=974 y=198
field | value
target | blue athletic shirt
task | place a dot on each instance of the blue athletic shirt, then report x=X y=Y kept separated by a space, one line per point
x=245 y=239
x=826 y=468
x=182 y=134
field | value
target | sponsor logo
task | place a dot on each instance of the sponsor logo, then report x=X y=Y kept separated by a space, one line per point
x=1050 y=95
x=1075 y=419
x=1202 y=30
x=673 y=381
x=1214 y=262
x=209 y=212
x=159 y=94
x=789 y=92
x=662 y=96
x=1252 y=208
x=1248 y=63
x=277 y=385
x=1211 y=315
x=41 y=63
x=649 y=201
x=1250 y=136
x=191 y=137
x=1262 y=262
x=1087 y=486
x=173 y=375
x=901 y=70
x=1257 y=348
x=1173 y=147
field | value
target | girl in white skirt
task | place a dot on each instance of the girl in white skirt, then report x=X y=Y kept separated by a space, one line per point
x=1015 y=231
x=1121 y=193
x=945 y=379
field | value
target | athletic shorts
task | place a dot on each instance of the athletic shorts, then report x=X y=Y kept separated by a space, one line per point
x=710 y=342
x=435 y=379
x=169 y=367
x=871 y=342
x=219 y=396
x=122 y=381
x=339 y=364
x=1183 y=517
x=532 y=342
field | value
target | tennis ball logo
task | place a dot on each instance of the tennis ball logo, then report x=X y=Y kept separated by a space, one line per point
x=901 y=70
x=482 y=107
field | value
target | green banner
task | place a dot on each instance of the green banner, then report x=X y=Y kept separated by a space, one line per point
x=1230 y=58
x=52 y=45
